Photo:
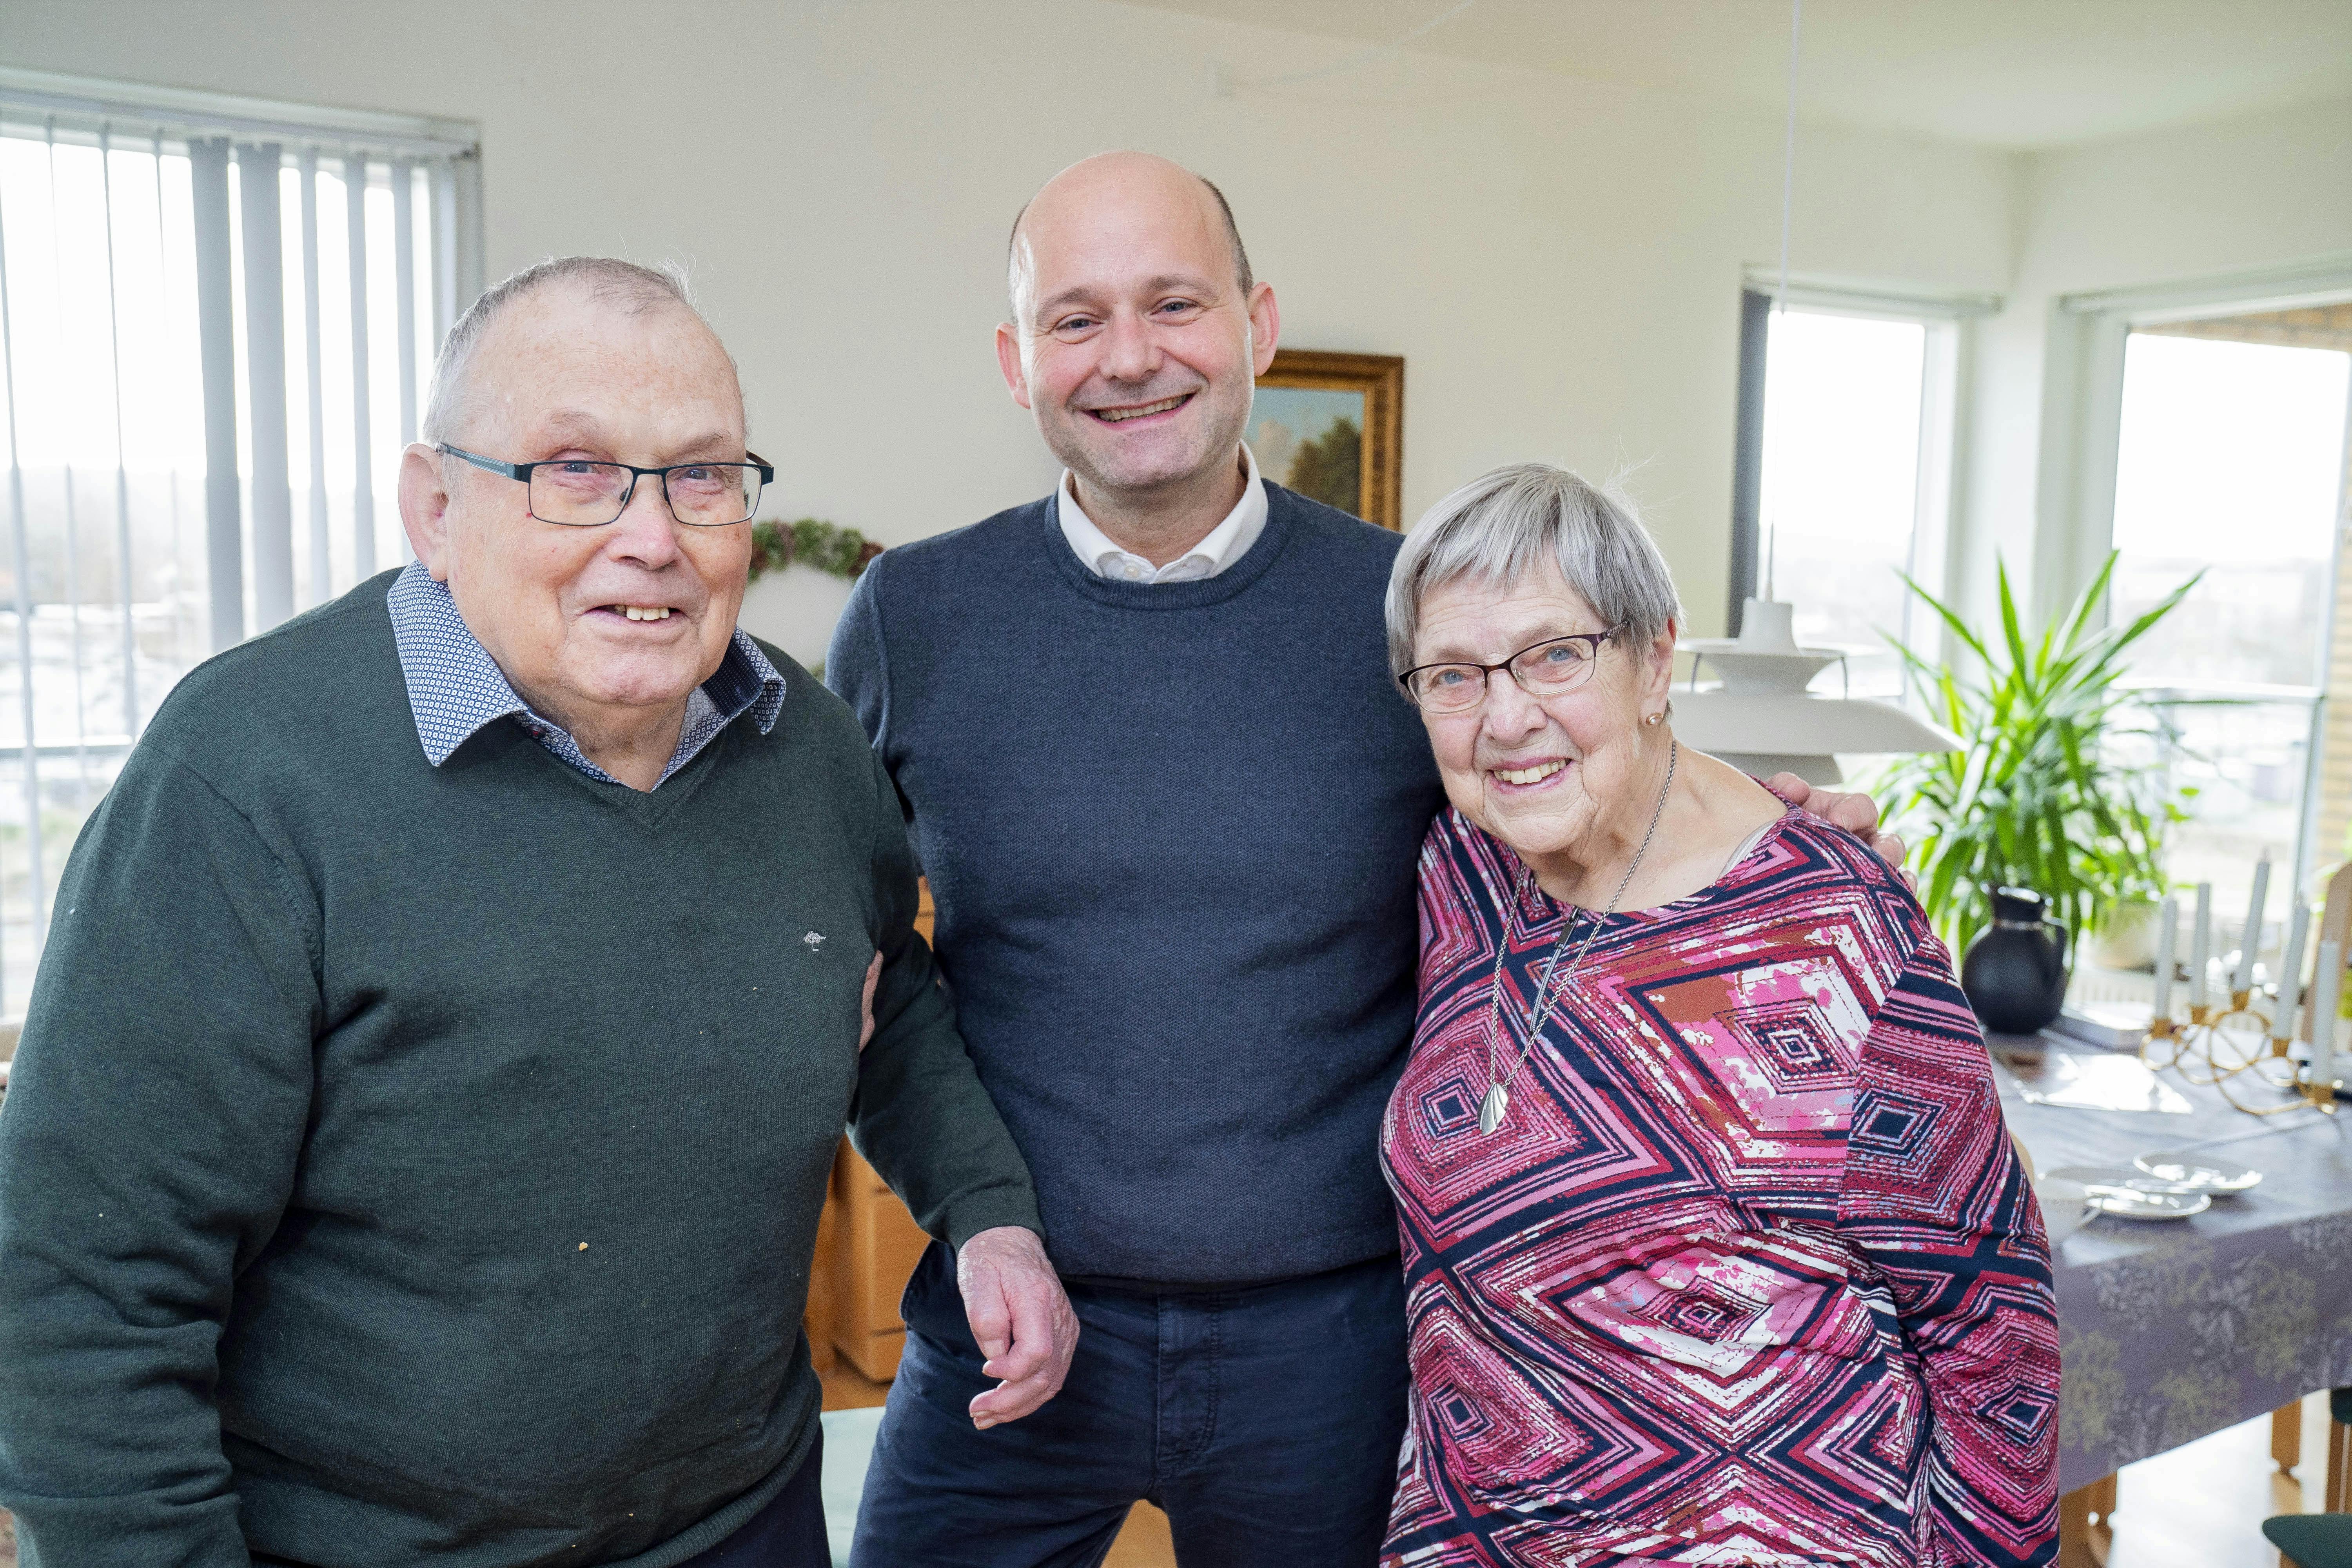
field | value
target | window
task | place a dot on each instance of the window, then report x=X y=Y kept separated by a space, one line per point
x=2230 y=461
x=213 y=317
x=1845 y=453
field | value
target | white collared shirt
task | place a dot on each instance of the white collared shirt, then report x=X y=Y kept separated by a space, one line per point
x=1220 y=548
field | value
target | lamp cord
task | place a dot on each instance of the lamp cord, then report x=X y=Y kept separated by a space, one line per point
x=1788 y=150
x=1780 y=293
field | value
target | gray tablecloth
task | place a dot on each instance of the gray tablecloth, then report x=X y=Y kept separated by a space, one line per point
x=2171 y=1330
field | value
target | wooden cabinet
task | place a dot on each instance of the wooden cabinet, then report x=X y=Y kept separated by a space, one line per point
x=876 y=1246
x=867 y=1247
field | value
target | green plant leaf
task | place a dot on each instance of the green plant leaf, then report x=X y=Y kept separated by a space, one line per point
x=2036 y=797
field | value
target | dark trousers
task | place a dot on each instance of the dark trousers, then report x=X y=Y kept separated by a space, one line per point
x=787 y=1533
x=1266 y=1421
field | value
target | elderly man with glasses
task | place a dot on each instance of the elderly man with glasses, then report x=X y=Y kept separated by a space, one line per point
x=419 y=1131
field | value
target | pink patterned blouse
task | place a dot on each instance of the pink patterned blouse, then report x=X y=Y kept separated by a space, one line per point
x=1749 y=1274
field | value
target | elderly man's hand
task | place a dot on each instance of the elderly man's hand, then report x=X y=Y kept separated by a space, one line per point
x=1857 y=814
x=1020 y=1319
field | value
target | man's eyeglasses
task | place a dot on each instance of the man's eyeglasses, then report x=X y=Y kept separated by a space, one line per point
x=1547 y=669
x=577 y=493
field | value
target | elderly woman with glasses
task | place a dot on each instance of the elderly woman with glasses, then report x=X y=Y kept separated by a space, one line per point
x=1715 y=1248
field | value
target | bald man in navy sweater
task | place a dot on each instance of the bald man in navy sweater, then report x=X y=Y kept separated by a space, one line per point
x=1171 y=804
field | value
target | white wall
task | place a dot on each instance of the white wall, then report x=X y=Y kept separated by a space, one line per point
x=1558 y=260
x=2183 y=205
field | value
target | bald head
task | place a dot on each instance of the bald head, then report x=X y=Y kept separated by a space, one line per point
x=606 y=281
x=1126 y=182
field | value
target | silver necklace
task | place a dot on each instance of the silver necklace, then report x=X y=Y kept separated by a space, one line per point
x=1498 y=1101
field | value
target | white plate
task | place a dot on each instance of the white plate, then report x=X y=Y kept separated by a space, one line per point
x=2095 y=1177
x=2202 y=1172
x=2150 y=1206
x=2092 y=1081
x=2127 y=1194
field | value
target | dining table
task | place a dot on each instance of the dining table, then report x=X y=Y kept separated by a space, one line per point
x=2173 y=1329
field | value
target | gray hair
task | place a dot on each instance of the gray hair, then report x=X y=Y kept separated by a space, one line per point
x=1503 y=526
x=638 y=290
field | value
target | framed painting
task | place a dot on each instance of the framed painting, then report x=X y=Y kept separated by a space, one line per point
x=1331 y=425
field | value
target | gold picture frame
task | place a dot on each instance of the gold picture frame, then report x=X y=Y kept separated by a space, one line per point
x=1314 y=410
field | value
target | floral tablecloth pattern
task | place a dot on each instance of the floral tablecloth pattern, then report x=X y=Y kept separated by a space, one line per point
x=2170 y=1330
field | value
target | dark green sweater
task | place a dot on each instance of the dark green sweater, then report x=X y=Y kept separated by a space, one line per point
x=407 y=1163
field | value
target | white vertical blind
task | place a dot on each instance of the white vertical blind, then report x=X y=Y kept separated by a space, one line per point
x=121 y=452
x=19 y=524
x=198 y=297
x=403 y=272
x=216 y=335
x=444 y=186
x=404 y=246
x=72 y=521
x=272 y=526
x=363 y=438
x=314 y=357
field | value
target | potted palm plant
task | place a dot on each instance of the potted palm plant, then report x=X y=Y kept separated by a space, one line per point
x=2037 y=797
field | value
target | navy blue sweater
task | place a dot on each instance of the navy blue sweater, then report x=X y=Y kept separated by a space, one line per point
x=1171 y=831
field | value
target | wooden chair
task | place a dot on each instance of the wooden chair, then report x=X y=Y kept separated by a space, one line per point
x=2286 y=1448
x=2335 y=1496
x=2086 y=1524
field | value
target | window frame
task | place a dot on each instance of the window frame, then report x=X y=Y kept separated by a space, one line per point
x=214 y=130
x=2081 y=450
x=1948 y=319
x=435 y=161
x=2083 y=398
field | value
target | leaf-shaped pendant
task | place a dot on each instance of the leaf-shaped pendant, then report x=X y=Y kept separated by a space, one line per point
x=1491 y=1108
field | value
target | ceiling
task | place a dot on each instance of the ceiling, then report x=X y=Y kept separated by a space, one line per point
x=2015 y=74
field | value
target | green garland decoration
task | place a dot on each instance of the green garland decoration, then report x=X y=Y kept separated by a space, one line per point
x=812 y=541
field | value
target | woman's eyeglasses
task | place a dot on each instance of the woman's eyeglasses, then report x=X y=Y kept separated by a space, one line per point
x=1547 y=669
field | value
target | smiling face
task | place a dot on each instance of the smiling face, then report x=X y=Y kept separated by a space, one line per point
x=1550 y=778
x=595 y=627
x=1133 y=342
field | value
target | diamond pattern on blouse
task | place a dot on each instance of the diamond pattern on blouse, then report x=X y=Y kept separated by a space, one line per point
x=456 y=688
x=1750 y=1273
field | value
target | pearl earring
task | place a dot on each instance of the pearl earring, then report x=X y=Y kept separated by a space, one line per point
x=1653 y=718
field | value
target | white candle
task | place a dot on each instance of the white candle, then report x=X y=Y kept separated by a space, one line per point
x=2168 y=930
x=2290 y=980
x=2244 y=979
x=2323 y=1012
x=2201 y=944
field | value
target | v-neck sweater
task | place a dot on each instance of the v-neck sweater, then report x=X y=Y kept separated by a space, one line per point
x=1171 y=830
x=409 y=1163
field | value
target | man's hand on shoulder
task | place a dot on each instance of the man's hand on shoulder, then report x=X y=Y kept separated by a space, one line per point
x=1020 y=1319
x=1857 y=814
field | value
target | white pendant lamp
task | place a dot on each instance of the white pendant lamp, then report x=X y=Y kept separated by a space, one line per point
x=1759 y=718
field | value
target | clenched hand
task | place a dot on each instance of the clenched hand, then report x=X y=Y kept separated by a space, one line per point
x=1020 y=1318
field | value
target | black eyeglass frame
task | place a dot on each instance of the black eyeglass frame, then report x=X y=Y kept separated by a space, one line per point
x=523 y=472
x=1593 y=640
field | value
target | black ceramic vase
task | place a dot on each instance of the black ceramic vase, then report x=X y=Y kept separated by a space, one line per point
x=2015 y=971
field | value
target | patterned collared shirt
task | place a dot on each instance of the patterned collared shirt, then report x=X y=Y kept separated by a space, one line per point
x=455 y=688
